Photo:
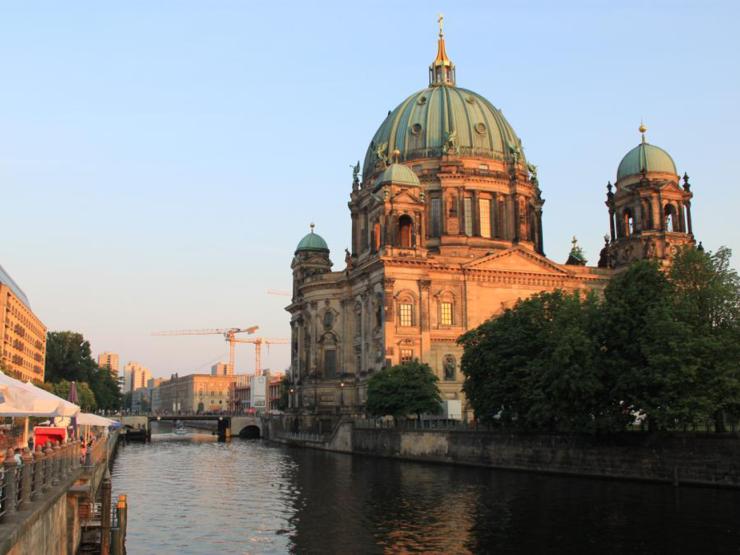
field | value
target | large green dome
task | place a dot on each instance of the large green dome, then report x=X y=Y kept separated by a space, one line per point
x=648 y=158
x=312 y=242
x=432 y=120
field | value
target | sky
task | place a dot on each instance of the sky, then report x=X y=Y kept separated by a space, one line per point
x=159 y=161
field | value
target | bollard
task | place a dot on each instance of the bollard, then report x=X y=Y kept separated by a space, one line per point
x=11 y=487
x=26 y=478
x=48 y=462
x=115 y=542
x=38 y=472
x=105 y=516
x=122 y=508
x=55 y=460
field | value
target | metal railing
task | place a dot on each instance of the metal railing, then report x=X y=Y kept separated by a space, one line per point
x=423 y=424
x=302 y=436
x=29 y=477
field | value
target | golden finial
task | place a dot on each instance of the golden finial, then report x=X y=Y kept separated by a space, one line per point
x=396 y=156
x=312 y=225
x=642 y=130
x=440 y=20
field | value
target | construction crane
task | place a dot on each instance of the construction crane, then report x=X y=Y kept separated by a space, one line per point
x=258 y=342
x=228 y=333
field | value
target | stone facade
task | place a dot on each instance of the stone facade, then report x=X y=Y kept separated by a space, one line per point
x=194 y=393
x=447 y=233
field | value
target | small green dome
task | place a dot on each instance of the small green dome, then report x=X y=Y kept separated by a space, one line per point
x=427 y=122
x=646 y=157
x=312 y=242
x=397 y=174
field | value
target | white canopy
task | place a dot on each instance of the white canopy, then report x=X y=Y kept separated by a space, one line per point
x=88 y=419
x=63 y=407
x=18 y=401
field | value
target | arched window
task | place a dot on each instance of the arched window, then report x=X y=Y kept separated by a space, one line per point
x=671 y=223
x=376 y=237
x=405 y=225
x=628 y=222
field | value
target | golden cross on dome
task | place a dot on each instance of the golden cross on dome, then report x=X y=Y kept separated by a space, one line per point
x=440 y=20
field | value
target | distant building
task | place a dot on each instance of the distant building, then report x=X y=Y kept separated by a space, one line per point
x=109 y=361
x=221 y=369
x=22 y=334
x=256 y=393
x=135 y=376
x=194 y=393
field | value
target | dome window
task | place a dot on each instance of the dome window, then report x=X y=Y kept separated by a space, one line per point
x=469 y=99
x=422 y=100
x=415 y=129
x=480 y=128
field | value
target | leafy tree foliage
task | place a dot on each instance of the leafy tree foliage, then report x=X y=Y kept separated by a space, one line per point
x=664 y=345
x=84 y=393
x=404 y=389
x=69 y=358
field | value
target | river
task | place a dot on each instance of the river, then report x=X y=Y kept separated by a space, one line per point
x=193 y=495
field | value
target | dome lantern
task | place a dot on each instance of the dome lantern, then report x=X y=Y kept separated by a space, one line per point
x=442 y=70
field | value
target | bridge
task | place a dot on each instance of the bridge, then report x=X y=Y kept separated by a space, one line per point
x=249 y=427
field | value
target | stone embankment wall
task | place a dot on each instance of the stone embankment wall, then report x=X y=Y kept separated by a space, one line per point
x=699 y=459
x=711 y=459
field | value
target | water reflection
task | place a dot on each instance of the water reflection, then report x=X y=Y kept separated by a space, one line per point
x=195 y=495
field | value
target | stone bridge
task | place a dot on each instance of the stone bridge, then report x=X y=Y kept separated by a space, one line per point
x=249 y=427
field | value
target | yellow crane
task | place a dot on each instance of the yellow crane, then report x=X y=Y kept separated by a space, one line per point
x=258 y=342
x=228 y=333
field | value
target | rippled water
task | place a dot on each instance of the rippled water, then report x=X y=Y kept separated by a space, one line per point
x=192 y=495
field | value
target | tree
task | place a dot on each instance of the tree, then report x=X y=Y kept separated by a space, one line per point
x=707 y=301
x=69 y=357
x=84 y=393
x=537 y=365
x=408 y=388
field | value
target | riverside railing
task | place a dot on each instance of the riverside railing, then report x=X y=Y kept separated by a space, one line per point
x=423 y=424
x=32 y=478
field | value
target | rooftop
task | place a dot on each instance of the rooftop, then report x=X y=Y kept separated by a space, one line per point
x=8 y=281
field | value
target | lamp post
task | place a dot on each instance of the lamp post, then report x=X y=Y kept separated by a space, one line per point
x=291 y=402
x=341 y=394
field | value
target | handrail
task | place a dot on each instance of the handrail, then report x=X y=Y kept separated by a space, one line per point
x=29 y=477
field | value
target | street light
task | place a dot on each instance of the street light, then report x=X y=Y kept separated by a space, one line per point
x=341 y=393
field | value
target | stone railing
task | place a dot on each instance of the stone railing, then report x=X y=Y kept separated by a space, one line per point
x=301 y=436
x=37 y=472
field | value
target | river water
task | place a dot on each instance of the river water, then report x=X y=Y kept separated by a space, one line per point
x=192 y=495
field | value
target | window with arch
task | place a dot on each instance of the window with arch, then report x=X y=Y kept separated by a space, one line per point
x=671 y=223
x=376 y=237
x=445 y=313
x=629 y=222
x=405 y=227
x=407 y=355
x=406 y=314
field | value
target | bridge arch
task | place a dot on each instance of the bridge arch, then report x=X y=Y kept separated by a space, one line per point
x=250 y=432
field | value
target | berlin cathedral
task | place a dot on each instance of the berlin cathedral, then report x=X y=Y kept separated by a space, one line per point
x=446 y=233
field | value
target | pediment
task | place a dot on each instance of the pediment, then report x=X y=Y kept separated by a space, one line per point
x=517 y=259
x=405 y=197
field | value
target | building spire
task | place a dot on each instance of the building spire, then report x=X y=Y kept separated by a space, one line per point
x=442 y=70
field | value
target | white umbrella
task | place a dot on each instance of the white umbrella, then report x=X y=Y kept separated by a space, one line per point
x=87 y=419
x=17 y=400
x=64 y=407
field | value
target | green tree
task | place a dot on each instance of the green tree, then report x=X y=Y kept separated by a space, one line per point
x=84 y=393
x=707 y=302
x=69 y=357
x=409 y=388
x=537 y=365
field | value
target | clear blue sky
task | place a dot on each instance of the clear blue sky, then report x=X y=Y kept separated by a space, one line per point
x=159 y=161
